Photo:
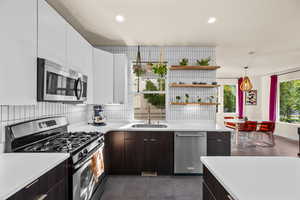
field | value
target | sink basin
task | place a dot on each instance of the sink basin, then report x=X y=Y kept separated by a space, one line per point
x=149 y=126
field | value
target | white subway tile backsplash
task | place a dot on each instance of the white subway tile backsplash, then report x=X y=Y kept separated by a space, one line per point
x=15 y=113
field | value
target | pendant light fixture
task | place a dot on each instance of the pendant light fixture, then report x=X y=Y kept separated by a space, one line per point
x=246 y=84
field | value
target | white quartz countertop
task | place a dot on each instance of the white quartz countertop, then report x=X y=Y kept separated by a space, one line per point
x=20 y=169
x=257 y=178
x=172 y=126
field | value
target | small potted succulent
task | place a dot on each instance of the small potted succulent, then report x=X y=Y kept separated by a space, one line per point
x=184 y=61
x=199 y=99
x=211 y=99
x=204 y=61
x=178 y=99
x=187 y=96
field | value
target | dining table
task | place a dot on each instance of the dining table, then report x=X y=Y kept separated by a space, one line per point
x=238 y=123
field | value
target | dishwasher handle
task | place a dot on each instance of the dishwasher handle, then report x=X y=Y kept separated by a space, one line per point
x=191 y=134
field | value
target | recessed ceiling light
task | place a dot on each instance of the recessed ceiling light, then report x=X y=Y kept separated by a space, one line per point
x=211 y=20
x=120 y=18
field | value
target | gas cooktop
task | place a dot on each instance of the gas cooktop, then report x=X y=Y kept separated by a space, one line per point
x=67 y=142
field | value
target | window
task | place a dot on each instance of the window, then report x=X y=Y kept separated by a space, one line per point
x=290 y=101
x=229 y=99
x=149 y=89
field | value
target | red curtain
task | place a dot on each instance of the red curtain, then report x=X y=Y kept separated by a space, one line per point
x=273 y=98
x=240 y=98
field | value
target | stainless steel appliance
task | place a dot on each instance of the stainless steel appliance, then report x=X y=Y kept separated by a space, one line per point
x=85 y=148
x=58 y=84
x=189 y=147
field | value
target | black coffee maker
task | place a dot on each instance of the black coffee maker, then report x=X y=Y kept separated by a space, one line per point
x=99 y=119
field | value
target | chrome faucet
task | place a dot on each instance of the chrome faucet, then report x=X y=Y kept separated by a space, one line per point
x=149 y=114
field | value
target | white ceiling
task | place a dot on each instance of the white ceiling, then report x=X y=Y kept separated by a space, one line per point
x=271 y=28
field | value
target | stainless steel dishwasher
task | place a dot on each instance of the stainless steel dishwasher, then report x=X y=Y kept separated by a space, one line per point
x=189 y=147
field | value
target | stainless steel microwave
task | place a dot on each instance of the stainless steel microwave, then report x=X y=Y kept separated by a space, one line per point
x=58 y=84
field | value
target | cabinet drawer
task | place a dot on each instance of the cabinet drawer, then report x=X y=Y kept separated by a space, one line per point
x=218 y=135
x=207 y=195
x=53 y=177
x=214 y=186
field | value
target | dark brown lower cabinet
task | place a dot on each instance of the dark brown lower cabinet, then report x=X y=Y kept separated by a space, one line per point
x=51 y=186
x=218 y=144
x=134 y=152
x=212 y=189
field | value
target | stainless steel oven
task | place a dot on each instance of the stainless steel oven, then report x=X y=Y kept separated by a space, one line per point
x=58 y=84
x=88 y=184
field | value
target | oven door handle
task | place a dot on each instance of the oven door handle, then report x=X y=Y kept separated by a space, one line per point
x=85 y=161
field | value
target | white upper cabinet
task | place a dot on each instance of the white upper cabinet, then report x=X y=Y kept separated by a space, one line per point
x=77 y=48
x=103 y=76
x=18 y=39
x=120 y=78
x=90 y=73
x=52 y=34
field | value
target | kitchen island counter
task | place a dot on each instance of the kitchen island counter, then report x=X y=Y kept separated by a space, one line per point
x=259 y=178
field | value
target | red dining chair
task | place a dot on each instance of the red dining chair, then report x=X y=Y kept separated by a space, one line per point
x=248 y=127
x=267 y=128
x=229 y=124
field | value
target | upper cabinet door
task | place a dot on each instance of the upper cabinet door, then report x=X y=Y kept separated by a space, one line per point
x=51 y=34
x=120 y=78
x=103 y=77
x=18 y=39
x=76 y=50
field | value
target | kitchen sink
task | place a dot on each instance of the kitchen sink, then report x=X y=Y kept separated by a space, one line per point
x=149 y=126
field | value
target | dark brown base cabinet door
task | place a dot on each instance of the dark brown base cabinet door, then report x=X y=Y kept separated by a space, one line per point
x=134 y=152
x=116 y=155
x=159 y=152
x=218 y=144
x=51 y=186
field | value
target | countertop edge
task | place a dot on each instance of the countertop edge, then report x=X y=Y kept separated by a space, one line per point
x=204 y=162
x=32 y=178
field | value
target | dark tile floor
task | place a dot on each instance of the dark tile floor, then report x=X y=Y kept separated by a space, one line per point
x=153 y=188
x=182 y=187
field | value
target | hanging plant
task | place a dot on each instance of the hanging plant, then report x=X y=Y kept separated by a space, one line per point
x=161 y=70
x=204 y=61
x=138 y=71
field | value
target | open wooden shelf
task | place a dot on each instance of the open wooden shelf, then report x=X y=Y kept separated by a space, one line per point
x=180 y=67
x=200 y=104
x=194 y=85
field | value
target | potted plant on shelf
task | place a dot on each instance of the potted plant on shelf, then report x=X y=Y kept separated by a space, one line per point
x=161 y=70
x=187 y=96
x=178 y=99
x=204 y=61
x=199 y=100
x=184 y=61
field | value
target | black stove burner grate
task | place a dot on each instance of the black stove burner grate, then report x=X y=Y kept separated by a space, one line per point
x=67 y=142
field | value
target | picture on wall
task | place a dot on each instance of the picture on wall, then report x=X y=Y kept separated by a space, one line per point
x=251 y=97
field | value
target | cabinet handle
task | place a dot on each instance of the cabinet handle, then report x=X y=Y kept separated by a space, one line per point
x=230 y=197
x=42 y=197
x=145 y=140
x=219 y=140
x=31 y=184
x=153 y=140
